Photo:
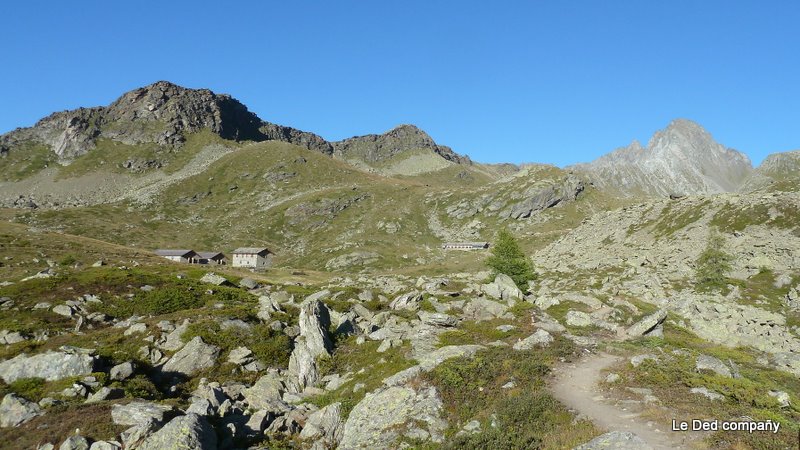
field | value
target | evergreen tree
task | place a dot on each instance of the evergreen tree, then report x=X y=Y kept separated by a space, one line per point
x=508 y=258
x=713 y=264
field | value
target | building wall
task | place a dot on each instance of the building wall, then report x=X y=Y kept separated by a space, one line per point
x=253 y=261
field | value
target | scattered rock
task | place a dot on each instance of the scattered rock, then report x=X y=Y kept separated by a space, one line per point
x=139 y=412
x=617 y=440
x=540 y=338
x=782 y=398
x=50 y=365
x=122 y=371
x=613 y=378
x=217 y=280
x=709 y=394
x=637 y=360
x=705 y=362
x=184 y=432
x=384 y=416
x=409 y=301
x=192 y=358
x=105 y=393
x=15 y=410
x=326 y=424
x=647 y=324
x=75 y=442
x=248 y=283
x=481 y=309
x=63 y=310
x=578 y=319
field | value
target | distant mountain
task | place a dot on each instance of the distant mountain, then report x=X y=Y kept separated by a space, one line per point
x=681 y=159
x=161 y=113
x=779 y=171
x=375 y=148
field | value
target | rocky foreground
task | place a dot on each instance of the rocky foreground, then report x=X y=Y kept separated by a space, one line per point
x=369 y=362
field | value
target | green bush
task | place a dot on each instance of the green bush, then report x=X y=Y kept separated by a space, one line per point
x=270 y=347
x=140 y=386
x=29 y=388
x=160 y=301
x=508 y=258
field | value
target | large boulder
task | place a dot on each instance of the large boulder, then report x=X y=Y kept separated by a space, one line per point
x=480 y=309
x=314 y=322
x=705 y=362
x=540 y=337
x=192 y=358
x=386 y=415
x=52 y=366
x=185 y=432
x=303 y=365
x=508 y=289
x=15 y=410
x=410 y=301
x=217 y=280
x=266 y=392
x=325 y=424
x=647 y=324
x=138 y=412
x=617 y=440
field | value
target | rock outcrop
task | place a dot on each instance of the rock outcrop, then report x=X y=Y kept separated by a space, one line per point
x=70 y=362
x=384 y=416
x=15 y=410
x=375 y=148
x=195 y=356
x=185 y=432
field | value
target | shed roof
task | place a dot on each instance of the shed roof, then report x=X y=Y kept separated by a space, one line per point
x=470 y=244
x=173 y=252
x=210 y=255
x=250 y=251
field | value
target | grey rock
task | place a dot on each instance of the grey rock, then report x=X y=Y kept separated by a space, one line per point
x=437 y=319
x=122 y=371
x=75 y=442
x=647 y=324
x=314 y=322
x=11 y=337
x=637 y=360
x=173 y=341
x=318 y=296
x=195 y=356
x=266 y=392
x=63 y=310
x=382 y=417
x=578 y=319
x=782 y=397
x=138 y=412
x=705 y=392
x=15 y=410
x=539 y=338
x=508 y=289
x=135 y=328
x=505 y=328
x=51 y=365
x=409 y=301
x=105 y=445
x=105 y=393
x=326 y=424
x=617 y=440
x=184 y=432
x=481 y=309
x=248 y=283
x=705 y=362
x=217 y=280
x=267 y=305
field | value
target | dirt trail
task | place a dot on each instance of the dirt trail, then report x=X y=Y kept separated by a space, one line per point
x=576 y=386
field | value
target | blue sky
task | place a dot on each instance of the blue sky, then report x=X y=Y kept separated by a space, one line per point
x=515 y=81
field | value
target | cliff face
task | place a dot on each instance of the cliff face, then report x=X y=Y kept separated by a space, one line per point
x=682 y=159
x=161 y=113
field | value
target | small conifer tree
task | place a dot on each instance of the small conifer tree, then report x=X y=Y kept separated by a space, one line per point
x=713 y=264
x=508 y=258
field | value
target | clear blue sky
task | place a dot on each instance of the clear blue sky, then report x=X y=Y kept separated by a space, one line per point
x=516 y=81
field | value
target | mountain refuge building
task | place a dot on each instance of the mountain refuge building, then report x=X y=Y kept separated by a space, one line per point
x=252 y=257
x=465 y=245
x=182 y=256
x=218 y=258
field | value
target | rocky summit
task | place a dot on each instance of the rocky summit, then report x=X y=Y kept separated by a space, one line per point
x=176 y=272
x=681 y=159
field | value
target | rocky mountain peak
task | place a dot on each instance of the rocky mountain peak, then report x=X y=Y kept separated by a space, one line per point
x=682 y=158
x=162 y=113
x=375 y=148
